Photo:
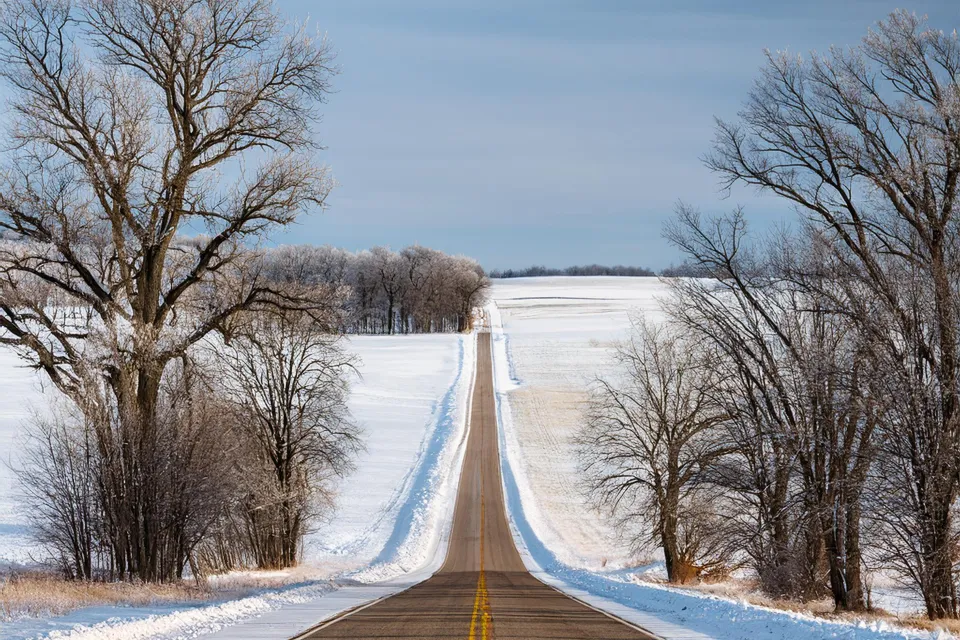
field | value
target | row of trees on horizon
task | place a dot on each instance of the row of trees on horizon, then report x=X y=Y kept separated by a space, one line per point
x=539 y=271
x=414 y=290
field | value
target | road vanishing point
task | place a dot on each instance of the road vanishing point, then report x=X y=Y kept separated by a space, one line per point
x=482 y=590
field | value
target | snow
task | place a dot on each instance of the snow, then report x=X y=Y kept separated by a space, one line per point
x=20 y=393
x=409 y=401
x=389 y=532
x=892 y=596
x=551 y=338
x=558 y=332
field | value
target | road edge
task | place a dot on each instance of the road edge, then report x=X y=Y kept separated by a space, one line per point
x=346 y=613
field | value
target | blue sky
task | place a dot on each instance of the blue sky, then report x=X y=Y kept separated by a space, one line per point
x=546 y=132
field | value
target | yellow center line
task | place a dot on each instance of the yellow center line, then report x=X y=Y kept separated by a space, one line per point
x=481 y=599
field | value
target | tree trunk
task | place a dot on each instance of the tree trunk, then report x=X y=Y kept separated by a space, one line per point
x=668 y=540
x=140 y=534
x=390 y=315
x=840 y=524
x=835 y=561
x=854 y=581
x=941 y=599
x=669 y=523
x=940 y=594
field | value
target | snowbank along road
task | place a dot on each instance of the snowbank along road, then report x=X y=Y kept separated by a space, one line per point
x=483 y=589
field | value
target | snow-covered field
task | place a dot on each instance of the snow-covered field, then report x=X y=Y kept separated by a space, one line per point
x=20 y=392
x=551 y=338
x=390 y=528
x=410 y=399
x=558 y=334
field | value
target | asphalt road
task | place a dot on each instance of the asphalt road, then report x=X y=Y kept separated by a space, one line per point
x=483 y=590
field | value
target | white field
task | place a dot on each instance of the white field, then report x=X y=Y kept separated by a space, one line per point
x=389 y=530
x=559 y=335
x=20 y=393
x=399 y=400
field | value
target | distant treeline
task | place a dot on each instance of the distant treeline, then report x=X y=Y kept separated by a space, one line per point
x=415 y=290
x=537 y=271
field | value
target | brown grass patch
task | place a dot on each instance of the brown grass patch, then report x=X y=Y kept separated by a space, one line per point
x=950 y=626
x=39 y=594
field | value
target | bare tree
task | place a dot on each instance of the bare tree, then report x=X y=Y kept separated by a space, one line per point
x=647 y=438
x=58 y=474
x=866 y=143
x=124 y=116
x=422 y=274
x=799 y=393
x=287 y=379
x=70 y=473
x=471 y=286
x=389 y=271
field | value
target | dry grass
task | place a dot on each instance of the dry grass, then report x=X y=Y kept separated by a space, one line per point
x=950 y=626
x=254 y=579
x=39 y=594
x=745 y=590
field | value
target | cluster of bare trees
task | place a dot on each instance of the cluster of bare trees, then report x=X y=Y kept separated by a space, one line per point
x=415 y=290
x=249 y=435
x=125 y=119
x=810 y=386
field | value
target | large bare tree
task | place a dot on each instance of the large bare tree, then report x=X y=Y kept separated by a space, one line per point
x=134 y=124
x=650 y=432
x=866 y=144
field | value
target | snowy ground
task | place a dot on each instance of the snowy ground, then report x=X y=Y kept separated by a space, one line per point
x=558 y=335
x=20 y=392
x=390 y=529
x=410 y=401
x=552 y=337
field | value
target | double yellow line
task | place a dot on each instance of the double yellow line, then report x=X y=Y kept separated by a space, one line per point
x=481 y=611
x=482 y=617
